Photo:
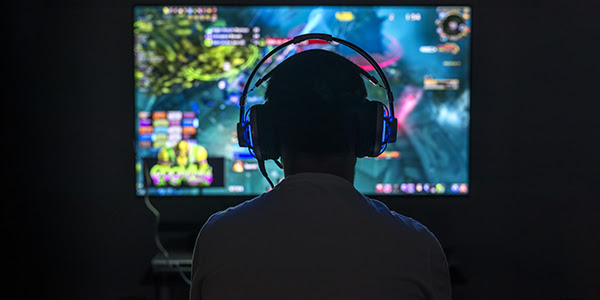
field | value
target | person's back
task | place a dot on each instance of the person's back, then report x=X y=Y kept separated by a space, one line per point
x=314 y=236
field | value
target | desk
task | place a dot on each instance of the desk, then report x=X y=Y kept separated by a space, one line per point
x=166 y=275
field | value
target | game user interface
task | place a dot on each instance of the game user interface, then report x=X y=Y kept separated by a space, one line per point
x=192 y=62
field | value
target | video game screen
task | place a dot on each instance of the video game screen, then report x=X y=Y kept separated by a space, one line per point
x=192 y=62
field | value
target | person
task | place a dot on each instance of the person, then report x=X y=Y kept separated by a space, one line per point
x=314 y=236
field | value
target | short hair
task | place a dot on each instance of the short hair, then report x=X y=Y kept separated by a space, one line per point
x=315 y=96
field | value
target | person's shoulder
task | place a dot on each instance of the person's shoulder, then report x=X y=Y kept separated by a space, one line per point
x=397 y=220
x=235 y=214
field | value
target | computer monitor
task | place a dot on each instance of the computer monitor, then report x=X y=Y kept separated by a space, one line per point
x=192 y=62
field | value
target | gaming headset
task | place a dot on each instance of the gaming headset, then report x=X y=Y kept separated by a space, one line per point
x=377 y=125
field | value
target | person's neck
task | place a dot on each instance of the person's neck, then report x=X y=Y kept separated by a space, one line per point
x=340 y=165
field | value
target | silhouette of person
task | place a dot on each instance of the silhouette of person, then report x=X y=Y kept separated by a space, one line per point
x=314 y=236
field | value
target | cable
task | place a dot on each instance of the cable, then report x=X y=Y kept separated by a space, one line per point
x=157 y=241
x=160 y=246
x=263 y=170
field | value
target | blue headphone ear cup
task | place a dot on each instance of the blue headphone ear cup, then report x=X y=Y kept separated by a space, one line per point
x=370 y=130
x=265 y=139
x=241 y=134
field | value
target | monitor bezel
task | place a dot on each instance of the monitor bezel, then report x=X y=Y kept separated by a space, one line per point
x=233 y=199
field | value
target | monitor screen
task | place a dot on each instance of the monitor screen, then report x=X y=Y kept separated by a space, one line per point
x=192 y=62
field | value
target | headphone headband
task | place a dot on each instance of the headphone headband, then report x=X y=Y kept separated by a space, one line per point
x=328 y=38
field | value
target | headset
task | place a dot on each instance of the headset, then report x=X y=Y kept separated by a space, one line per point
x=377 y=125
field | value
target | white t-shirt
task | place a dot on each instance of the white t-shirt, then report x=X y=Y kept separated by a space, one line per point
x=314 y=236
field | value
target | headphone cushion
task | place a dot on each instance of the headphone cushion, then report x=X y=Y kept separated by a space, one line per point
x=265 y=138
x=370 y=130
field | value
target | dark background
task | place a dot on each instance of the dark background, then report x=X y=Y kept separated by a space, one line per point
x=529 y=230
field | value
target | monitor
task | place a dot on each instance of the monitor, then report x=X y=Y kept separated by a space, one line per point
x=191 y=64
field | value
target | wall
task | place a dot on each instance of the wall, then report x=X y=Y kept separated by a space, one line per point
x=528 y=231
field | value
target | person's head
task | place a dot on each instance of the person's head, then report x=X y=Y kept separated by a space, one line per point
x=315 y=97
